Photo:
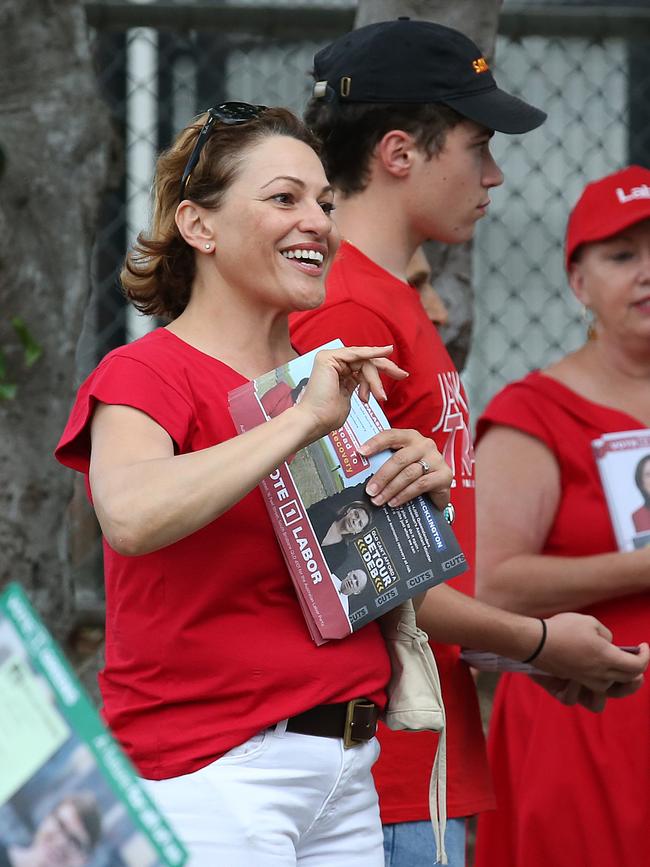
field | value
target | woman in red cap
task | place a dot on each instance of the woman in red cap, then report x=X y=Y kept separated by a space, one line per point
x=572 y=787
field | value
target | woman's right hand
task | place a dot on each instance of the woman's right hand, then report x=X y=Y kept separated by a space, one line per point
x=336 y=374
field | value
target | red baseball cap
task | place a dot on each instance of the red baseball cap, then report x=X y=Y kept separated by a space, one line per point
x=608 y=206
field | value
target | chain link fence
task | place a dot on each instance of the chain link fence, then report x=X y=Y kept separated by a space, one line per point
x=160 y=64
x=525 y=314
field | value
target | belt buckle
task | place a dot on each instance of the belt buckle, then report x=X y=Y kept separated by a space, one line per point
x=348 y=738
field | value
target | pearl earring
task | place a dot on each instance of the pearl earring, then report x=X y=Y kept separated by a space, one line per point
x=208 y=246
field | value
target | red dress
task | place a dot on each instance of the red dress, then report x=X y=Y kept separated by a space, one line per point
x=572 y=787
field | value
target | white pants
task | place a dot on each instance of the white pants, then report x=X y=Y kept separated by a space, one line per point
x=279 y=800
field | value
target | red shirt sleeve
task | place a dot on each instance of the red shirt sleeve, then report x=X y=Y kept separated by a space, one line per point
x=122 y=381
x=520 y=407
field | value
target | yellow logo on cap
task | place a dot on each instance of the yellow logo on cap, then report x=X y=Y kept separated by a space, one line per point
x=480 y=65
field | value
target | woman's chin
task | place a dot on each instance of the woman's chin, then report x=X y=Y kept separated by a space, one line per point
x=310 y=301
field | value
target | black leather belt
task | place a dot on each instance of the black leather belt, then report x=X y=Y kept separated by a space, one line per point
x=354 y=721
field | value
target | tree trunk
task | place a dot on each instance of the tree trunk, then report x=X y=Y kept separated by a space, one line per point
x=451 y=265
x=53 y=156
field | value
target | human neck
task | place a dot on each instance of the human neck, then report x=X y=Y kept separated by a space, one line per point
x=605 y=374
x=377 y=228
x=333 y=535
x=616 y=363
x=249 y=339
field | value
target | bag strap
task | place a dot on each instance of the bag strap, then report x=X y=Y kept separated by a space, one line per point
x=438 y=781
x=438 y=797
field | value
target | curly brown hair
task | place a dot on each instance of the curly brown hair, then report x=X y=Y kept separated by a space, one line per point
x=159 y=271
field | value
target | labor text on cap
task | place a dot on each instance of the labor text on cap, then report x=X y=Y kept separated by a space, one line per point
x=642 y=192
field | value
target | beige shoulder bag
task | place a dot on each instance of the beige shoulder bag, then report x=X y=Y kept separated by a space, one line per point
x=415 y=702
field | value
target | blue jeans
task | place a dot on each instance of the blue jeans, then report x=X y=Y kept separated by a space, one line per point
x=407 y=844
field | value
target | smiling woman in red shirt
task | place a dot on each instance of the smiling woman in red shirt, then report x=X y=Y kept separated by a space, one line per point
x=212 y=683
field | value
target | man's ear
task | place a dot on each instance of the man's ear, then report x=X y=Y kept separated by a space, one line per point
x=395 y=152
x=192 y=223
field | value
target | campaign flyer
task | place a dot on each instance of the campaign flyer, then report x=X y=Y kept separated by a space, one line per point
x=68 y=794
x=350 y=561
x=623 y=460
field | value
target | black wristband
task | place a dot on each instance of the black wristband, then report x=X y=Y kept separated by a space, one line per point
x=540 y=646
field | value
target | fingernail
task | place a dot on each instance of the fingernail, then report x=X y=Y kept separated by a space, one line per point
x=371 y=489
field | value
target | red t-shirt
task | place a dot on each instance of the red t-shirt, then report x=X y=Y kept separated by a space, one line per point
x=366 y=305
x=205 y=641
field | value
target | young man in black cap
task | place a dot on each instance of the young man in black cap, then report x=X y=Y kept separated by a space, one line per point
x=406 y=110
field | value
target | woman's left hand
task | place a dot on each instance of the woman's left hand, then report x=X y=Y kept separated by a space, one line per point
x=417 y=467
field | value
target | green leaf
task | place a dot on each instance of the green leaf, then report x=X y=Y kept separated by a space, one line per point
x=31 y=348
x=7 y=391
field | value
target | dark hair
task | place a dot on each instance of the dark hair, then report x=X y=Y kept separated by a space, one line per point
x=577 y=254
x=158 y=273
x=295 y=391
x=639 y=480
x=350 y=133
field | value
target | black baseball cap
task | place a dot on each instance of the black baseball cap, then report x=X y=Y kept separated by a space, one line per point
x=407 y=61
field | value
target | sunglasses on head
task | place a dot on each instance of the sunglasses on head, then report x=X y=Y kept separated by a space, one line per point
x=229 y=113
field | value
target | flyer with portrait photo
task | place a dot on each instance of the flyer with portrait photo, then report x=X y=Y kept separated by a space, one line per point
x=623 y=460
x=350 y=561
x=68 y=794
